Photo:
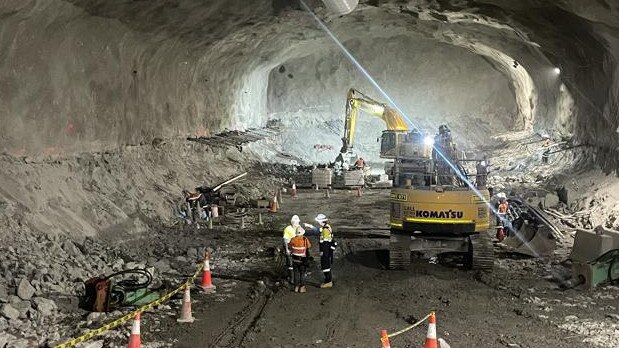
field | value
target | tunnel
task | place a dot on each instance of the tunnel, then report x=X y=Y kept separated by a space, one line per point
x=111 y=109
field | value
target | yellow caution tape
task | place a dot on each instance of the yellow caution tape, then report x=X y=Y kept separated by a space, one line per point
x=410 y=327
x=131 y=315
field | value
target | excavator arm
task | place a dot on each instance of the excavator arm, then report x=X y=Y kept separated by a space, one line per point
x=356 y=101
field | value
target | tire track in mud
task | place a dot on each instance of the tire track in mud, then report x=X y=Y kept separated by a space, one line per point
x=346 y=303
x=344 y=306
x=234 y=335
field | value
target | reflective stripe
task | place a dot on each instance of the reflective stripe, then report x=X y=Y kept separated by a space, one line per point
x=299 y=251
x=332 y=248
x=431 y=331
x=326 y=270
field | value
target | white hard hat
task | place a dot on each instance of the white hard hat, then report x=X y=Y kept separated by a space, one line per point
x=321 y=218
x=295 y=220
x=299 y=231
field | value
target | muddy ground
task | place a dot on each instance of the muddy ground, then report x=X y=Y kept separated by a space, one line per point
x=518 y=305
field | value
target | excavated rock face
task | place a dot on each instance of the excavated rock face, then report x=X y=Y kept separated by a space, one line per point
x=86 y=75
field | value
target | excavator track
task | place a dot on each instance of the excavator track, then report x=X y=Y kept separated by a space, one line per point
x=481 y=252
x=399 y=251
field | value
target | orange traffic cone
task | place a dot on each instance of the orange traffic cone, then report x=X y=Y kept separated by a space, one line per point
x=207 y=283
x=431 y=341
x=293 y=191
x=134 y=339
x=274 y=204
x=384 y=339
x=186 y=316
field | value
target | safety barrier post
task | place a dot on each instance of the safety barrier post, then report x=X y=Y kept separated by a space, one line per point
x=135 y=340
x=186 y=316
x=207 y=284
x=384 y=339
x=431 y=341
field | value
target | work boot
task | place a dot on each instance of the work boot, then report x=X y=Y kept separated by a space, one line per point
x=296 y=289
x=302 y=289
x=326 y=285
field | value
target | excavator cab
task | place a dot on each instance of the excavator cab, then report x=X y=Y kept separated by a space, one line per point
x=389 y=141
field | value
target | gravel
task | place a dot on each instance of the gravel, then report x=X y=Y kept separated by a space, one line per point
x=9 y=312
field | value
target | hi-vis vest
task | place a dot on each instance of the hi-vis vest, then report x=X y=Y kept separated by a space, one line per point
x=299 y=246
x=289 y=233
x=326 y=234
x=503 y=208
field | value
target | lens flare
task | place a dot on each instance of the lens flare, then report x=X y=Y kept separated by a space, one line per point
x=392 y=102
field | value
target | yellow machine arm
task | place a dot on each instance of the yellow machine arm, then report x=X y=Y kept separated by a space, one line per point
x=358 y=101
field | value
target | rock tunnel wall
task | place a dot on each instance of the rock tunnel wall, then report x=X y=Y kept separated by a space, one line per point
x=87 y=75
x=75 y=78
x=433 y=83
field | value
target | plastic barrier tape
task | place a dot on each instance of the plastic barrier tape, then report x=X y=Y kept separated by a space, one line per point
x=131 y=314
x=410 y=327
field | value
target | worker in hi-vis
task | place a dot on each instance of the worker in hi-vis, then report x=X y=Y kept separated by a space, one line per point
x=299 y=249
x=327 y=247
x=289 y=233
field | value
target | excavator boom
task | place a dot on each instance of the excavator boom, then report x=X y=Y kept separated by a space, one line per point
x=358 y=101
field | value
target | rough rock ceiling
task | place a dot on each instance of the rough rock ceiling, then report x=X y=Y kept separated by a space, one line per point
x=90 y=74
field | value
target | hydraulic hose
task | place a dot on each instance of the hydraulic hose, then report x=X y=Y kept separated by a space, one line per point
x=132 y=284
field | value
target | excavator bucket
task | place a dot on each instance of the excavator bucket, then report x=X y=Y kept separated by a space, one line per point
x=536 y=241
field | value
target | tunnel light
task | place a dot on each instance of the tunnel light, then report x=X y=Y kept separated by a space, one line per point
x=557 y=71
x=341 y=7
x=428 y=140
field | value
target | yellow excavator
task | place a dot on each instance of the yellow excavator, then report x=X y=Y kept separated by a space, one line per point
x=347 y=175
x=356 y=101
x=433 y=210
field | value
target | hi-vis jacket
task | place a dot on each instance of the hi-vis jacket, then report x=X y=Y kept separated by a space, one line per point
x=289 y=233
x=326 y=233
x=503 y=208
x=299 y=246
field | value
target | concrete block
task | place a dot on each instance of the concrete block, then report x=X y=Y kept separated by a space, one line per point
x=589 y=245
x=321 y=177
x=262 y=203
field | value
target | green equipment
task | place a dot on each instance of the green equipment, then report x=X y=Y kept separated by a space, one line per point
x=595 y=257
x=106 y=294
